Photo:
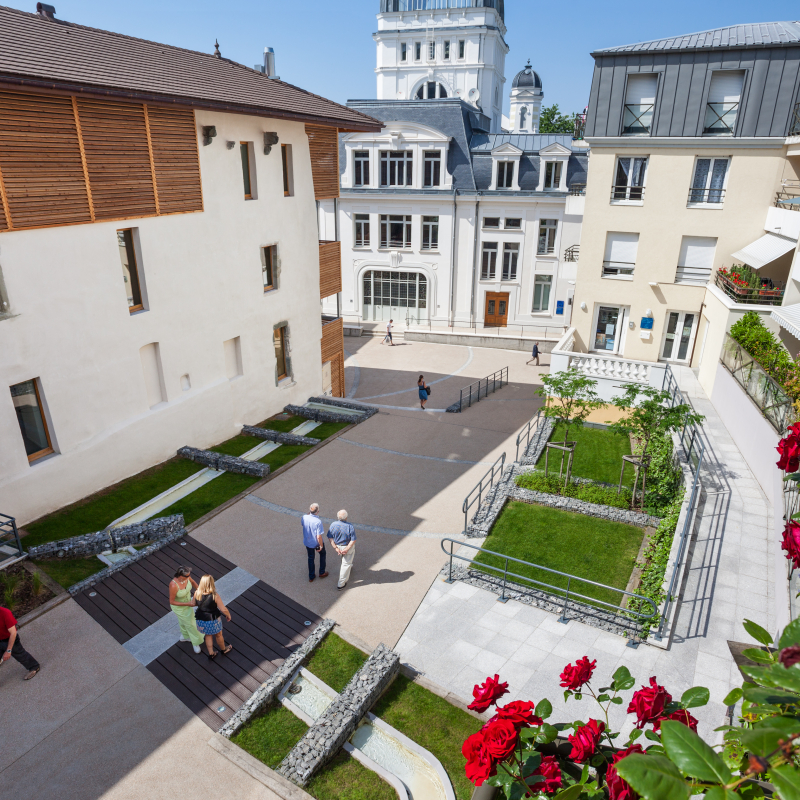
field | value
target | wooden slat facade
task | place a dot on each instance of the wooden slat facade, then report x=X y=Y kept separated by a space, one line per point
x=323 y=143
x=330 y=269
x=67 y=160
x=332 y=345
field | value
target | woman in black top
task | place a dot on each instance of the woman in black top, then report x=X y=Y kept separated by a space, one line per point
x=209 y=613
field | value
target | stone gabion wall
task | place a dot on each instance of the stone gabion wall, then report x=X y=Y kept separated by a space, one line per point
x=366 y=411
x=540 y=437
x=90 y=544
x=271 y=688
x=327 y=735
x=318 y=415
x=240 y=466
x=277 y=436
x=81 y=586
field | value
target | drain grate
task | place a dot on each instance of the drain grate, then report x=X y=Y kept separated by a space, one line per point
x=220 y=709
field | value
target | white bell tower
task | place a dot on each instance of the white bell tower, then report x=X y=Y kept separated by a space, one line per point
x=431 y=49
x=526 y=101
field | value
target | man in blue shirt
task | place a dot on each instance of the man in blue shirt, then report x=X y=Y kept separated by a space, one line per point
x=343 y=536
x=313 y=531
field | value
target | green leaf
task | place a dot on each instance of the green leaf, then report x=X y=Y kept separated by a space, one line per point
x=790 y=635
x=622 y=679
x=787 y=781
x=616 y=701
x=543 y=709
x=584 y=774
x=762 y=741
x=602 y=698
x=572 y=793
x=547 y=734
x=795 y=476
x=515 y=791
x=635 y=734
x=759 y=656
x=695 y=697
x=691 y=754
x=652 y=736
x=720 y=793
x=653 y=777
x=733 y=697
x=655 y=748
x=567 y=694
x=757 y=632
x=528 y=734
x=766 y=696
x=531 y=764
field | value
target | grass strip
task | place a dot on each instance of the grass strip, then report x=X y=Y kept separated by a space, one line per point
x=344 y=778
x=587 y=547
x=69 y=571
x=335 y=661
x=270 y=736
x=597 y=456
x=588 y=492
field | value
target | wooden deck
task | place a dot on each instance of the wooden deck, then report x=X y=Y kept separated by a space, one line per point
x=266 y=626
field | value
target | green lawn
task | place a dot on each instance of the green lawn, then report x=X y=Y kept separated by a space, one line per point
x=335 y=661
x=598 y=454
x=270 y=736
x=596 y=549
x=345 y=779
x=68 y=571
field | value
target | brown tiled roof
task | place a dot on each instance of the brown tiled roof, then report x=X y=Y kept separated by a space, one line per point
x=35 y=51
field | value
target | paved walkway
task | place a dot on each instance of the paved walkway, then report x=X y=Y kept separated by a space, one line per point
x=461 y=634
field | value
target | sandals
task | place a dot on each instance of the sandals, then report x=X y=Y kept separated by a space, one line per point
x=227 y=650
x=211 y=656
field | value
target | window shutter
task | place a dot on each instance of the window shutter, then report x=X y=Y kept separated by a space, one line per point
x=621 y=247
x=726 y=86
x=641 y=89
x=323 y=144
x=696 y=260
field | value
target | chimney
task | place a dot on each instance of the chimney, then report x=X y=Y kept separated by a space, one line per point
x=46 y=11
x=268 y=67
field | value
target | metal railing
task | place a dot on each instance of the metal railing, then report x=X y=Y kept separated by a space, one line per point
x=475 y=494
x=545 y=331
x=558 y=590
x=794 y=124
x=702 y=195
x=525 y=434
x=788 y=199
x=572 y=252
x=625 y=192
x=637 y=119
x=483 y=388
x=720 y=118
x=9 y=539
x=577 y=189
x=751 y=295
x=758 y=385
x=689 y=436
x=432 y=5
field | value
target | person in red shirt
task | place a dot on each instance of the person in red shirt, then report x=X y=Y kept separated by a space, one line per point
x=11 y=645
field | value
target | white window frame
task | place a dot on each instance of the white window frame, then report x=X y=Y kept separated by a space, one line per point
x=358 y=159
x=628 y=195
x=430 y=225
x=694 y=275
x=548 y=251
x=510 y=257
x=508 y=227
x=503 y=168
x=359 y=241
x=550 y=293
x=621 y=332
x=506 y=152
x=391 y=157
x=673 y=359
x=491 y=227
x=446 y=49
x=555 y=169
x=553 y=152
x=462 y=49
x=386 y=221
x=403 y=53
x=434 y=157
x=693 y=190
x=619 y=270
x=431 y=51
x=417 y=51
x=490 y=274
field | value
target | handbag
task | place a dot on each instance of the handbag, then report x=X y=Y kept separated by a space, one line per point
x=428 y=390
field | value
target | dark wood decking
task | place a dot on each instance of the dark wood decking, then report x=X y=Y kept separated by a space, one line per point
x=266 y=626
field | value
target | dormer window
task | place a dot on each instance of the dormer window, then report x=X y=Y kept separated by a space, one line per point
x=722 y=108
x=361 y=168
x=433 y=169
x=396 y=167
x=552 y=175
x=640 y=98
x=505 y=174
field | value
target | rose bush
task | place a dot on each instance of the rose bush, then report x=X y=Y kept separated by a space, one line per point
x=519 y=751
x=791 y=542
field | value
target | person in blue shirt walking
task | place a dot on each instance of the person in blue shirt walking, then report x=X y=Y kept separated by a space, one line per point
x=343 y=536
x=313 y=532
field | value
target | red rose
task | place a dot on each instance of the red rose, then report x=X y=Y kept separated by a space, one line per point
x=500 y=738
x=648 y=703
x=480 y=764
x=551 y=772
x=519 y=713
x=791 y=542
x=585 y=740
x=789 y=449
x=789 y=656
x=618 y=789
x=487 y=694
x=574 y=677
x=681 y=715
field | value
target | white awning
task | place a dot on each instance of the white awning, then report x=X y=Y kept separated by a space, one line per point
x=764 y=250
x=788 y=317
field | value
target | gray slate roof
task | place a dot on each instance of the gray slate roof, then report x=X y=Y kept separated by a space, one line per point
x=58 y=54
x=527 y=142
x=755 y=34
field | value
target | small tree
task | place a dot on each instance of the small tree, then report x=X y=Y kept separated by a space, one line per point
x=650 y=413
x=552 y=120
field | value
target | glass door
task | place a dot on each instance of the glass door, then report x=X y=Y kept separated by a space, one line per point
x=606 y=333
x=678 y=336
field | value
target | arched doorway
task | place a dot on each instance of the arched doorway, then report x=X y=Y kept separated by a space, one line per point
x=395 y=295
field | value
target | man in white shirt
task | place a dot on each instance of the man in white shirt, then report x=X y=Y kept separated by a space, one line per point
x=388 y=337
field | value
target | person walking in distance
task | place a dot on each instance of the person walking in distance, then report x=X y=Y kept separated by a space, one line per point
x=343 y=536
x=424 y=391
x=535 y=353
x=180 y=601
x=12 y=646
x=210 y=610
x=388 y=337
x=313 y=532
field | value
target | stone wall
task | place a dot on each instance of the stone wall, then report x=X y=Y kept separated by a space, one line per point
x=271 y=688
x=336 y=725
x=90 y=544
x=277 y=436
x=240 y=466
x=367 y=411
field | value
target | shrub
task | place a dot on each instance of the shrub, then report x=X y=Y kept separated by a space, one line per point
x=762 y=344
x=663 y=476
x=588 y=492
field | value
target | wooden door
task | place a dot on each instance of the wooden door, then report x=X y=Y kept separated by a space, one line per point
x=496 y=309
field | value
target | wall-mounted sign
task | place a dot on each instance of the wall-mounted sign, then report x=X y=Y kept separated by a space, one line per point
x=559 y=306
x=647 y=324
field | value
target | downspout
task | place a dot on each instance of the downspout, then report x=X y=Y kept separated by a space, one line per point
x=474 y=265
x=452 y=313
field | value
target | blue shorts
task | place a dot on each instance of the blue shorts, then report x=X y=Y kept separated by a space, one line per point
x=210 y=627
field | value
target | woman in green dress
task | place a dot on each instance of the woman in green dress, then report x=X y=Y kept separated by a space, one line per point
x=180 y=601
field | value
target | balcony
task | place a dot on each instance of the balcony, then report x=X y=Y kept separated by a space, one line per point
x=637 y=119
x=330 y=268
x=743 y=285
x=572 y=253
x=789 y=195
x=577 y=189
x=720 y=119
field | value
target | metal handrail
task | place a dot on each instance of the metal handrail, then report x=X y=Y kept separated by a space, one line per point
x=494 y=470
x=566 y=575
x=522 y=330
x=525 y=433
x=477 y=386
x=699 y=194
x=626 y=192
x=8 y=530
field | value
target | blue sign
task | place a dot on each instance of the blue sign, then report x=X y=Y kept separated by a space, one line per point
x=559 y=306
x=647 y=324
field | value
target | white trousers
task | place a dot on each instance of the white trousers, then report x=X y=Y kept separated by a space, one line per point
x=347 y=565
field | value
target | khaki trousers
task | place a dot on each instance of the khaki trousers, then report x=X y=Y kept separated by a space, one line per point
x=347 y=565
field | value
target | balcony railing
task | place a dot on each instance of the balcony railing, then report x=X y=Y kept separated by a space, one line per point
x=703 y=195
x=637 y=119
x=794 y=124
x=624 y=192
x=720 y=118
x=572 y=253
x=577 y=189
x=617 y=268
x=749 y=294
x=10 y=546
x=388 y=6
x=789 y=195
x=764 y=391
